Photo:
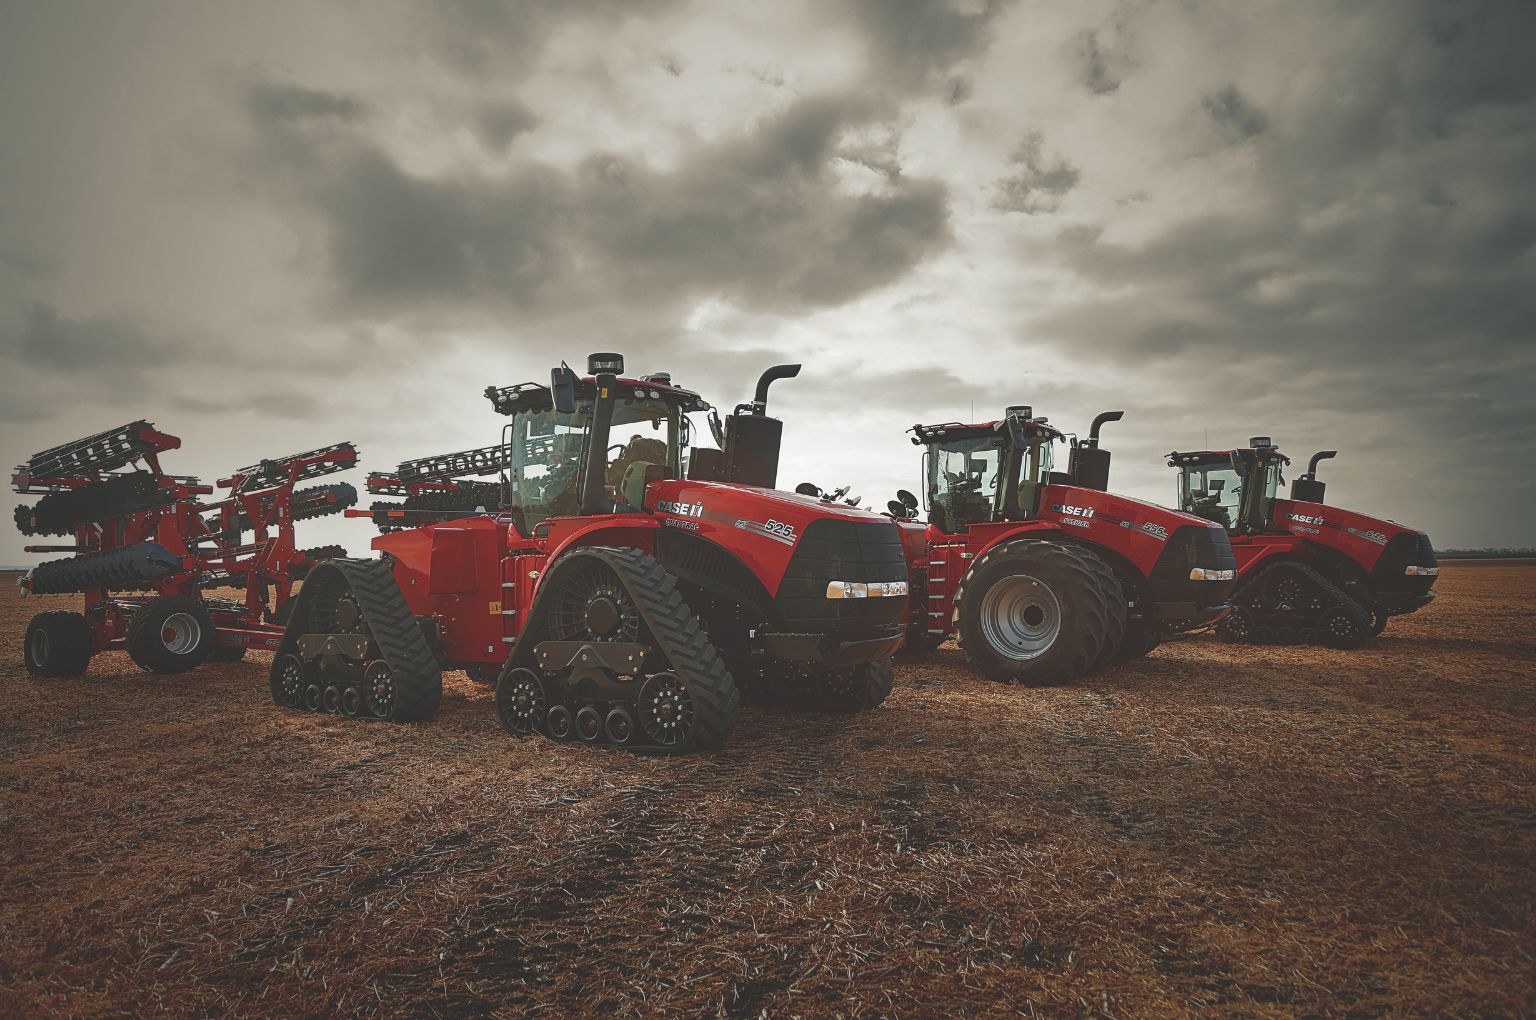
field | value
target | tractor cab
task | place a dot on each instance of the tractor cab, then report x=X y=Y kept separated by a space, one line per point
x=1234 y=488
x=591 y=446
x=978 y=474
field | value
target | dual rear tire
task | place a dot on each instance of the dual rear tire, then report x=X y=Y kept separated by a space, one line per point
x=1039 y=612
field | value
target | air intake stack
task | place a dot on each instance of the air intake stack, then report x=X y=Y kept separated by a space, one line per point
x=1089 y=463
x=1307 y=489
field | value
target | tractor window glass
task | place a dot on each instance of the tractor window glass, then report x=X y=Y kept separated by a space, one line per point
x=645 y=434
x=546 y=462
x=1213 y=491
x=964 y=479
x=1034 y=473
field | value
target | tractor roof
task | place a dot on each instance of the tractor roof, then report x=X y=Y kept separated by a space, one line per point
x=981 y=430
x=1223 y=456
x=535 y=396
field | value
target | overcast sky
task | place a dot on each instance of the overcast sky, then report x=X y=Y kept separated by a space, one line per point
x=271 y=226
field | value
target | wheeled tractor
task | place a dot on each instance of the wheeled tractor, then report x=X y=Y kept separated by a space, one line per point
x=632 y=576
x=1043 y=575
x=145 y=550
x=1307 y=573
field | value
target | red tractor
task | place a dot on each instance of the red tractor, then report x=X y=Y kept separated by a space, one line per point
x=146 y=531
x=1044 y=576
x=1308 y=574
x=629 y=579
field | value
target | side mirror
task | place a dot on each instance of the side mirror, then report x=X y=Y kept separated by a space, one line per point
x=562 y=388
x=716 y=429
x=907 y=499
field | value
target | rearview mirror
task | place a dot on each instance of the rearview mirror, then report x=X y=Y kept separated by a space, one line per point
x=562 y=388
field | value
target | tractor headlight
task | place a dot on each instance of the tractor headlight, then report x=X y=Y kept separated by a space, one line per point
x=1211 y=574
x=863 y=590
x=1413 y=570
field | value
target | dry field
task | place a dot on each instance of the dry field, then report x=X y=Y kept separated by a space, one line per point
x=1256 y=832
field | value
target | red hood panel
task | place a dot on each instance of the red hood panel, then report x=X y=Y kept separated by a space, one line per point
x=1359 y=536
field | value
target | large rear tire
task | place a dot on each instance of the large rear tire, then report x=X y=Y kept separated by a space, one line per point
x=57 y=643
x=170 y=634
x=1031 y=612
x=1116 y=611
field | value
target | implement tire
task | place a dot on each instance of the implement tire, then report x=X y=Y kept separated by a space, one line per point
x=57 y=643
x=170 y=634
x=1031 y=612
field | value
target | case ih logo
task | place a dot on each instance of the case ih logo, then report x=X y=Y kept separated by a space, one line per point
x=1072 y=511
x=1306 y=519
x=668 y=506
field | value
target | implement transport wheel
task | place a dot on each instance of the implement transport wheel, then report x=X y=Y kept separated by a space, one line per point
x=57 y=643
x=1031 y=612
x=170 y=634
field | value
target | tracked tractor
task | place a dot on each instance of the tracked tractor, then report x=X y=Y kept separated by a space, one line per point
x=146 y=549
x=1307 y=573
x=1043 y=575
x=632 y=575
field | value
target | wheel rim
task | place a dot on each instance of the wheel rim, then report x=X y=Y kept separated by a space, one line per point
x=1340 y=625
x=588 y=603
x=1237 y=624
x=290 y=681
x=1020 y=617
x=379 y=686
x=523 y=703
x=666 y=710
x=181 y=633
x=39 y=647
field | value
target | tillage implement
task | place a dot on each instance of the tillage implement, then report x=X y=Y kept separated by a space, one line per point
x=629 y=583
x=134 y=528
x=1307 y=573
x=1043 y=575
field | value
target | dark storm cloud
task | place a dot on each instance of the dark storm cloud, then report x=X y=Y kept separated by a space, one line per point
x=914 y=44
x=1234 y=116
x=48 y=339
x=760 y=218
x=1037 y=184
x=274 y=102
x=498 y=123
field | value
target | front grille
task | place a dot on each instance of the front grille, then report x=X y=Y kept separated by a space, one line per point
x=1408 y=548
x=1193 y=546
x=831 y=550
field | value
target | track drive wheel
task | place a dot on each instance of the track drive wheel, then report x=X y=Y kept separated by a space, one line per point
x=57 y=643
x=170 y=634
x=1031 y=612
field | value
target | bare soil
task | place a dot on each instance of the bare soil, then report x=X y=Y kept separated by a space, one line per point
x=1214 y=829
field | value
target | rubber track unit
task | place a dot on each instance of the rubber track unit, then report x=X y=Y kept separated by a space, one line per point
x=131 y=567
x=394 y=633
x=1250 y=596
x=1095 y=633
x=677 y=636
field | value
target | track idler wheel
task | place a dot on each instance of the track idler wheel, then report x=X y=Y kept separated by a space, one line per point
x=379 y=688
x=666 y=710
x=1343 y=627
x=1237 y=628
x=289 y=681
x=521 y=702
